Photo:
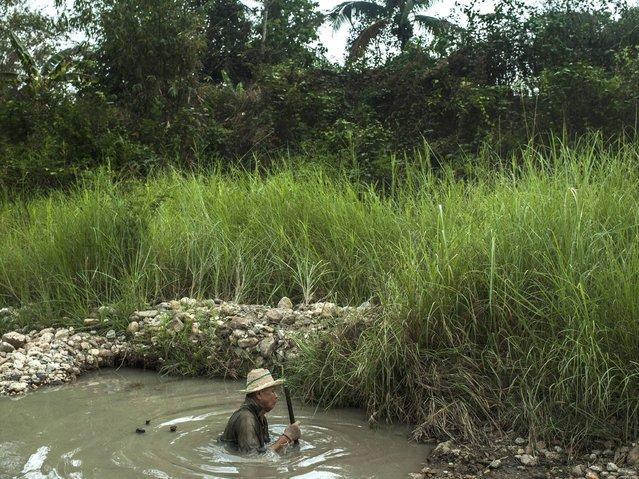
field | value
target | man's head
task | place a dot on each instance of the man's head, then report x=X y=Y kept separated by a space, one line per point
x=260 y=386
x=266 y=398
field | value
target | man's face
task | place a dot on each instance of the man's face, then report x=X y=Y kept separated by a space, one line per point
x=267 y=398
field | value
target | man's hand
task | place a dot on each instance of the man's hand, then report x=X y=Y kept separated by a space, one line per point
x=292 y=431
x=290 y=435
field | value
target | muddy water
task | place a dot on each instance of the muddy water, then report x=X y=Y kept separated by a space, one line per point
x=87 y=430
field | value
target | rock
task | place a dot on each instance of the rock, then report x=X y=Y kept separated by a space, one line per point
x=110 y=334
x=595 y=468
x=328 y=310
x=151 y=313
x=15 y=339
x=175 y=325
x=238 y=322
x=612 y=467
x=285 y=303
x=633 y=455
x=18 y=356
x=496 y=464
x=6 y=347
x=91 y=322
x=133 y=327
x=247 y=343
x=365 y=305
x=267 y=346
x=62 y=333
x=17 y=387
x=289 y=319
x=591 y=475
x=188 y=302
x=274 y=316
x=520 y=441
x=443 y=449
x=578 y=471
x=528 y=460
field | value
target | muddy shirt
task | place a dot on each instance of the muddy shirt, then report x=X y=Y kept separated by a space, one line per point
x=246 y=430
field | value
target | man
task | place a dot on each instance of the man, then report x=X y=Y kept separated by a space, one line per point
x=247 y=429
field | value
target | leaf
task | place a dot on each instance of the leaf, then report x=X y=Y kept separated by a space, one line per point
x=26 y=59
x=55 y=62
x=436 y=25
x=366 y=36
x=347 y=10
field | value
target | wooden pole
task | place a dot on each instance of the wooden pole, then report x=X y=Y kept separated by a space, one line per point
x=289 y=405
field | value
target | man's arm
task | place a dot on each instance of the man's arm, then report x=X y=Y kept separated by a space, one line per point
x=291 y=434
x=279 y=444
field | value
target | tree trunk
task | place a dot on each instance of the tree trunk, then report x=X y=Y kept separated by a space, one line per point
x=264 y=25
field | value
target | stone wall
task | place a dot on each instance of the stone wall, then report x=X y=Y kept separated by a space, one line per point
x=236 y=336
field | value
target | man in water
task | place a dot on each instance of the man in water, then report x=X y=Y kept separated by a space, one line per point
x=247 y=429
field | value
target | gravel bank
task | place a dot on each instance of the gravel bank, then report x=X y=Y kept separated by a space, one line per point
x=237 y=337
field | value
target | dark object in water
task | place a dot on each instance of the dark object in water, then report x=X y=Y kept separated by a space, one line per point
x=289 y=405
x=147 y=422
x=173 y=428
x=139 y=430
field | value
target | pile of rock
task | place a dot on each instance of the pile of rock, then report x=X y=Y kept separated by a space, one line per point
x=255 y=334
x=53 y=356
x=260 y=334
x=507 y=457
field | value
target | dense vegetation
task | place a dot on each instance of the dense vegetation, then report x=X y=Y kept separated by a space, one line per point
x=509 y=296
x=477 y=177
x=195 y=83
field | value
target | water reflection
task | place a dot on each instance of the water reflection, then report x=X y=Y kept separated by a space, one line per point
x=86 y=431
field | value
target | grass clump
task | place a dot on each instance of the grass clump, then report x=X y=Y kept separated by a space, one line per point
x=508 y=294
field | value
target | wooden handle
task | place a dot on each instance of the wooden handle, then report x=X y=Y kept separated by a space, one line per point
x=289 y=405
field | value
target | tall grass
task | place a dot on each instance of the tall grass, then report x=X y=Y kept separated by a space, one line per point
x=509 y=292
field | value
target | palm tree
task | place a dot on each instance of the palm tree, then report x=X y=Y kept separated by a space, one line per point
x=57 y=68
x=399 y=15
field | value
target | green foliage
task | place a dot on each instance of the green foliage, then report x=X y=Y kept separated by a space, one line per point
x=148 y=60
x=59 y=67
x=173 y=83
x=228 y=33
x=398 y=17
x=495 y=287
x=291 y=30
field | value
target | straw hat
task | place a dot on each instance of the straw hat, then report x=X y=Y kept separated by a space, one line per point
x=258 y=379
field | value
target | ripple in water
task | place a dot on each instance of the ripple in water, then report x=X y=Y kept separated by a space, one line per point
x=86 y=431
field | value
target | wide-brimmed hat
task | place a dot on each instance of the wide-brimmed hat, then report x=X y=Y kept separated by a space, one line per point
x=258 y=379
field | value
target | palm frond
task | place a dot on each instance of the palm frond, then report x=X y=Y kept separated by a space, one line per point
x=26 y=59
x=57 y=61
x=361 y=43
x=434 y=24
x=346 y=11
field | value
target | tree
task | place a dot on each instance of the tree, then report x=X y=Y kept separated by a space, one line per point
x=58 y=68
x=400 y=16
x=149 y=55
x=286 y=32
x=227 y=32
